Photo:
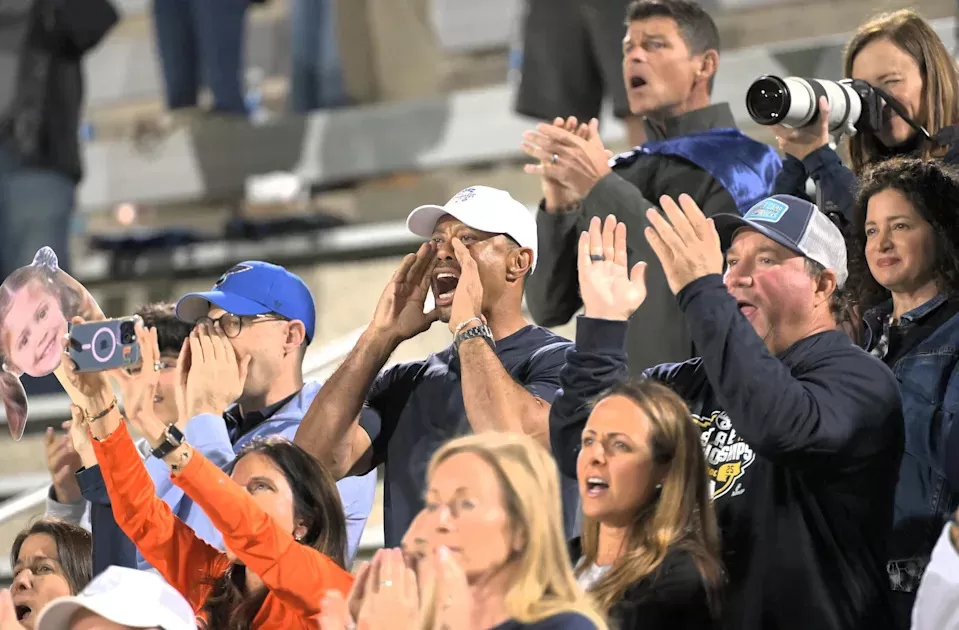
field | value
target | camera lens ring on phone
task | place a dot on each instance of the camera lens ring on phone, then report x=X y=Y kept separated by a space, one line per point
x=93 y=345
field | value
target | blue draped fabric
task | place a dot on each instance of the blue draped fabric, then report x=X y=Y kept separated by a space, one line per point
x=747 y=169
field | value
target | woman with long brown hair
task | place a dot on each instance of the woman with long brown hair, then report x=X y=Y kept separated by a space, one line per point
x=901 y=54
x=649 y=552
x=277 y=508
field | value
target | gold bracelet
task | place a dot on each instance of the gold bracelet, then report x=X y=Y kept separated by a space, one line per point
x=93 y=418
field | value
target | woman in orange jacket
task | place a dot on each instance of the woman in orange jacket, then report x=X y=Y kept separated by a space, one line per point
x=279 y=511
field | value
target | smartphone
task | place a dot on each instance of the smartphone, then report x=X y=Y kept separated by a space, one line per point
x=105 y=345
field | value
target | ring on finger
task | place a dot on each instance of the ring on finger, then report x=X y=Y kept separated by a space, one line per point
x=554 y=159
x=597 y=257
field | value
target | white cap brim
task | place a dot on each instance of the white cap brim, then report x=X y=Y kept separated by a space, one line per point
x=57 y=615
x=422 y=221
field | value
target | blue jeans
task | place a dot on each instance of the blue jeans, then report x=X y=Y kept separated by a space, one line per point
x=36 y=206
x=316 y=76
x=200 y=42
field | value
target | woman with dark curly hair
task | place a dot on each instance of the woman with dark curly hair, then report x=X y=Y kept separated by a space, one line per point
x=904 y=269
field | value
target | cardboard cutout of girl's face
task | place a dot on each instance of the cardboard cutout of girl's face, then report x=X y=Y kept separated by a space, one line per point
x=36 y=304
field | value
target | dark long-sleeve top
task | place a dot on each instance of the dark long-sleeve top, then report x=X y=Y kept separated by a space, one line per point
x=836 y=184
x=673 y=597
x=802 y=450
x=111 y=547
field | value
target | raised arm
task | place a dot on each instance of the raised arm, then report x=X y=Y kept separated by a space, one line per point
x=198 y=413
x=781 y=416
x=552 y=292
x=168 y=544
x=331 y=430
x=292 y=571
x=611 y=294
x=493 y=400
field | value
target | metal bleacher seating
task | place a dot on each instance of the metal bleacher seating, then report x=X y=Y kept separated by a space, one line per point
x=462 y=129
x=445 y=138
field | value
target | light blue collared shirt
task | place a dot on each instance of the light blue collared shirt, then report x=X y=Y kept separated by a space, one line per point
x=208 y=434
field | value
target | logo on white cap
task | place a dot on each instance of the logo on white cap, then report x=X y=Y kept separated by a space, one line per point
x=464 y=195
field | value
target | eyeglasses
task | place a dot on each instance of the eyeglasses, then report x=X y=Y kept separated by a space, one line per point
x=232 y=324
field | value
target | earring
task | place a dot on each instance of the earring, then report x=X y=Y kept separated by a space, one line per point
x=659 y=486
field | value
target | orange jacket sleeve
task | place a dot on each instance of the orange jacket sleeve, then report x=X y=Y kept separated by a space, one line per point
x=168 y=544
x=296 y=574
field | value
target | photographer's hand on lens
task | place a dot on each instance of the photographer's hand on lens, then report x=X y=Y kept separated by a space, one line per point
x=801 y=142
x=63 y=462
x=609 y=289
x=216 y=376
x=399 y=312
x=566 y=157
x=687 y=244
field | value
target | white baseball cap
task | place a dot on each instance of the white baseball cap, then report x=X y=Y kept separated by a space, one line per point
x=140 y=599
x=481 y=208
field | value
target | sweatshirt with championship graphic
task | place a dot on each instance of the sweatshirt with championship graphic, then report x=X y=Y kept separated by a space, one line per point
x=802 y=452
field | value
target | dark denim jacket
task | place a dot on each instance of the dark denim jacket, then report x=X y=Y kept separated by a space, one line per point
x=928 y=378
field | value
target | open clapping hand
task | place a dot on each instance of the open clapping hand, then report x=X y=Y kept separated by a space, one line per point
x=570 y=157
x=139 y=386
x=392 y=594
x=399 y=313
x=609 y=288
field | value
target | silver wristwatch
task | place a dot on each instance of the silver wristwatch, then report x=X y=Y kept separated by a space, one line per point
x=472 y=333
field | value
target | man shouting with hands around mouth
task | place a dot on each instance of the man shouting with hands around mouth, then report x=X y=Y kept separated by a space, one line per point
x=802 y=431
x=499 y=374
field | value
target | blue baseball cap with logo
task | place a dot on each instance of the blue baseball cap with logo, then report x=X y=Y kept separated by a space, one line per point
x=794 y=223
x=250 y=288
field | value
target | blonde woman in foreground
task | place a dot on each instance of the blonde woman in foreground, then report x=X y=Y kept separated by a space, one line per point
x=490 y=552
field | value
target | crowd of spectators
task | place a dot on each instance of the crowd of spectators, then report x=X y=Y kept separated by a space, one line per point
x=755 y=427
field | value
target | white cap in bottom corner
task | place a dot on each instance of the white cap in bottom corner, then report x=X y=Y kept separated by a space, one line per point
x=140 y=599
x=485 y=209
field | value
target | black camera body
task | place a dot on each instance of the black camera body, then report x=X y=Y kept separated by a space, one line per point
x=854 y=105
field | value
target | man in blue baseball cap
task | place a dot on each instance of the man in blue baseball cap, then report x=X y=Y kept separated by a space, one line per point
x=802 y=431
x=268 y=317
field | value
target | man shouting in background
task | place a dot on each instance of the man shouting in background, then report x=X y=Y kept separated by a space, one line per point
x=500 y=373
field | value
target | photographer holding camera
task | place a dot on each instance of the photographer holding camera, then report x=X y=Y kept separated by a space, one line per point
x=900 y=56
